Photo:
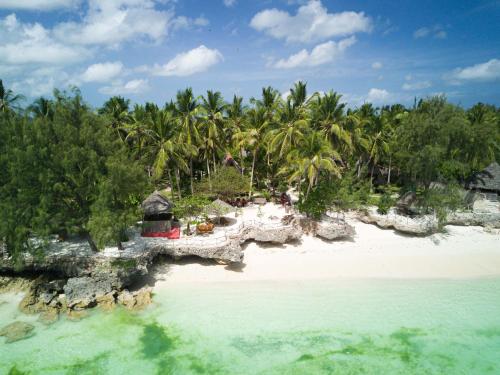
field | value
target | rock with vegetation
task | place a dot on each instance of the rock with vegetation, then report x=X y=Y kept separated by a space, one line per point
x=421 y=225
x=17 y=331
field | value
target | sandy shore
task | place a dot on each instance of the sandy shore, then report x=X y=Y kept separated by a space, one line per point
x=460 y=252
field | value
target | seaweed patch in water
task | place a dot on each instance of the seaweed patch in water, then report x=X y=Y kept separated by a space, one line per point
x=155 y=341
x=15 y=371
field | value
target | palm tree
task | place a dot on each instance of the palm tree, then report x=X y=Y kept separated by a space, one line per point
x=236 y=121
x=42 y=108
x=293 y=125
x=186 y=112
x=211 y=127
x=315 y=155
x=163 y=149
x=8 y=101
x=117 y=109
x=252 y=137
x=328 y=116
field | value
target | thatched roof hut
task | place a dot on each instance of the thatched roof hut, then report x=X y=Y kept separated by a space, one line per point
x=488 y=180
x=157 y=206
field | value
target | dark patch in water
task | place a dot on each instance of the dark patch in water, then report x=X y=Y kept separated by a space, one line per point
x=305 y=357
x=489 y=333
x=155 y=341
x=15 y=371
x=91 y=366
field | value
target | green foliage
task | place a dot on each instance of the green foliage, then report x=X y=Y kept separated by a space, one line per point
x=227 y=183
x=440 y=201
x=385 y=203
x=190 y=206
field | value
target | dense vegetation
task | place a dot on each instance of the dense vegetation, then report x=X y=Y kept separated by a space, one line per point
x=68 y=169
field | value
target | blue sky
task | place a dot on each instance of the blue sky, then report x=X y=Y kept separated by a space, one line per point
x=381 y=51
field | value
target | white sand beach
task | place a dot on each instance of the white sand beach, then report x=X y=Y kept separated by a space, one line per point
x=460 y=252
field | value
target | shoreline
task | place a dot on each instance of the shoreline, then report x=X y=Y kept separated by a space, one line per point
x=373 y=253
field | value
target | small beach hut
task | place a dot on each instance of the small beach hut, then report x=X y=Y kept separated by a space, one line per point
x=484 y=187
x=157 y=221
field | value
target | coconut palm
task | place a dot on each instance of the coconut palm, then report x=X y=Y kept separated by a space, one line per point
x=186 y=112
x=236 y=121
x=211 y=127
x=8 y=100
x=42 y=108
x=328 y=116
x=118 y=111
x=252 y=137
x=313 y=156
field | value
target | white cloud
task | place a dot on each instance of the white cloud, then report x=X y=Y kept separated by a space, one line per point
x=135 y=86
x=229 y=3
x=436 y=31
x=191 y=62
x=311 y=23
x=112 y=22
x=24 y=43
x=186 y=23
x=321 y=54
x=488 y=71
x=377 y=65
x=378 y=96
x=102 y=72
x=417 y=85
x=41 y=5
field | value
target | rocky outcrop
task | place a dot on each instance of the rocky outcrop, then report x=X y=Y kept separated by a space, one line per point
x=17 y=331
x=275 y=234
x=137 y=300
x=421 y=225
x=484 y=219
x=428 y=224
x=328 y=228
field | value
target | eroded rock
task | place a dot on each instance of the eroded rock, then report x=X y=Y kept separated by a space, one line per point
x=17 y=331
x=49 y=316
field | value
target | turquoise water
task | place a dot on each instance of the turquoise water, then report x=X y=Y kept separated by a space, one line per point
x=313 y=327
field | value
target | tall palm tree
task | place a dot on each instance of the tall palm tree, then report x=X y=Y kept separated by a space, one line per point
x=186 y=112
x=293 y=124
x=8 y=100
x=236 y=121
x=118 y=111
x=252 y=137
x=211 y=127
x=328 y=116
x=42 y=108
x=313 y=156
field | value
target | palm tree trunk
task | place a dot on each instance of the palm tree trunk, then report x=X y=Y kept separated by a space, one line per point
x=241 y=160
x=371 y=174
x=191 y=174
x=171 y=182
x=91 y=243
x=251 y=174
x=389 y=173
x=215 y=164
x=178 y=181
x=209 y=180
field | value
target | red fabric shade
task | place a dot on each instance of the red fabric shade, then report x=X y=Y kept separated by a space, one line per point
x=173 y=234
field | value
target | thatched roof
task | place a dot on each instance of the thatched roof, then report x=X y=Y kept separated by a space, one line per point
x=156 y=204
x=488 y=179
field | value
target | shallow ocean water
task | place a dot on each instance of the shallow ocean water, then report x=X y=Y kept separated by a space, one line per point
x=309 y=327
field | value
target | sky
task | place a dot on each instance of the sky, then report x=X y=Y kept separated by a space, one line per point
x=379 y=51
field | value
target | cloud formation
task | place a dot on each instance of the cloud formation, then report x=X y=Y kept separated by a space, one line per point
x=487 y=71
x=436 y=31
x=377 y=65
x=416 y=85
x=113 y=22
x=135 y=86
x=191 y=62
x=378 y=96
x=311 y=23
x=102 y=72
x=39 y=5
x=321 y=54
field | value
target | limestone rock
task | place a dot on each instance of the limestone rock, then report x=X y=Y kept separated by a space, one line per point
x=421 y=225
x=81 y=292
x=126 y=299
x=17 y=331
x=330 y=228
x=76 y=316
x=49 y=316
x=137 y=300
x=106 y=302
